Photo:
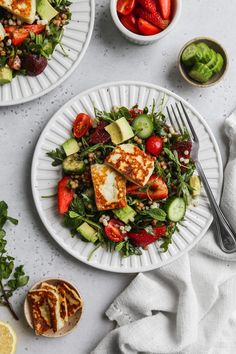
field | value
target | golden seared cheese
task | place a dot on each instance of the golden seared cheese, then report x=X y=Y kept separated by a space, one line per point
x=130 y=161
x=62 y=302
x=109 y=187
x=40 y=310
x=74 y=302
x=23 y=9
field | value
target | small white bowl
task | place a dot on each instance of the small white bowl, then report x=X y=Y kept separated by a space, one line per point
x=73 y=320
x=144 y=40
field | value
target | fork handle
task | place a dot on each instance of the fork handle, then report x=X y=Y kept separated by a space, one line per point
x=225 y=234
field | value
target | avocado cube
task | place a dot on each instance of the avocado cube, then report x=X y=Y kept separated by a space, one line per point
x=5 y=75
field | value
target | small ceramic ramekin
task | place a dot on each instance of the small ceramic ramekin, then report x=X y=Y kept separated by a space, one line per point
x=216 y=78
x=145 y=40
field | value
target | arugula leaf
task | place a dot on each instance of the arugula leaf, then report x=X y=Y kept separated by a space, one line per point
x=58 y=155
x=78 y=207
x=8 y=282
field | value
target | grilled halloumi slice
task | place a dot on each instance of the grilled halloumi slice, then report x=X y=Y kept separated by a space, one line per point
x=40 y=310
x=62 y=301
x=133 y=163
x=109 y=187
x=74 y=302
x=23 y=9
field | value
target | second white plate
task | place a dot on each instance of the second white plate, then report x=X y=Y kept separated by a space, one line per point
x=45 y=177
x=75 y=42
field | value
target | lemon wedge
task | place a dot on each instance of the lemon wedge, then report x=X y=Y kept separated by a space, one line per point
x=7 y=339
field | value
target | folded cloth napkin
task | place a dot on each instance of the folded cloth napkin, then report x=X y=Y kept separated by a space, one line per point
x=188 y=306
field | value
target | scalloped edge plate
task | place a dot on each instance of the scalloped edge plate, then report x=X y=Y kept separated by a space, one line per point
x=44 y=177
x=75 y=41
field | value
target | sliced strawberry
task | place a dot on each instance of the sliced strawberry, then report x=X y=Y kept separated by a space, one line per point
x=149 y=5
x=155 y=19
x=14 y=62
x=135 y=112
x=165 y=7
x=156 y=189
x=183 y=149
x=143 y=238
x=99 y=135
x=65 y=195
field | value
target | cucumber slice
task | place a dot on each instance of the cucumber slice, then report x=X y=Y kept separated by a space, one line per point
x=143 y=126
x=219 y=64
x=206 y=52
x=213 y=60
x=191 y=55
x=175 y=209
x=200 y=72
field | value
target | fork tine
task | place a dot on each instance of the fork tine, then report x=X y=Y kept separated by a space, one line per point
x=182 y=120
x=189 y=123
x=170 y=118
x=181 y=130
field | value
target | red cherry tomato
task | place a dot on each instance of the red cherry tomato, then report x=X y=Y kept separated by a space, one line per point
x=125 y=7
x=130 y=22
x=146 y=28
x=154 y=145
x=19 y=36
x=81 y=125
x=113 y=231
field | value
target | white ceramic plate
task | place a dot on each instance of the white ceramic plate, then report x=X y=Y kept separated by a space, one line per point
x=75 y=41
x=45 y=177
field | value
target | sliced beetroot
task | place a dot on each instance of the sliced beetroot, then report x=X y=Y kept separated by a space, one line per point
x=182 y=147
x=34 y=64
x=99 y=135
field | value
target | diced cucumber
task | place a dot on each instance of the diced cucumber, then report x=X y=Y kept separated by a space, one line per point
x=88 y=232
x=213 y=60
x=72 y=165
x=219 y=64
x=70 y=146
x=143 y=126
x=175 y=209
x=191 y=55
x=200 y=72
x=206 y=52
x=125 y=214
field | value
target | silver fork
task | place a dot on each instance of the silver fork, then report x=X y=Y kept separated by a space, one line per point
x=225 y=235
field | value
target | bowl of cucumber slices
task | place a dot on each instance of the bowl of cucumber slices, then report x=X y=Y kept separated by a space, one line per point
x=202 y=62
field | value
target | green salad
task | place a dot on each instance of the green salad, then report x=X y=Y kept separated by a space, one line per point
x=128 y=177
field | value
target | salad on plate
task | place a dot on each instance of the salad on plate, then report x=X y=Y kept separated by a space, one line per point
x=29 y=32
x=128 y=177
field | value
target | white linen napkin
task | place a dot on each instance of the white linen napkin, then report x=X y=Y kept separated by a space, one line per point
x=188 y=306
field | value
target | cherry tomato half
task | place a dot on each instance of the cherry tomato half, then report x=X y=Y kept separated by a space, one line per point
x=154 y=145
x=146 y=28
x=113 y=231
x=130 y=22
x=81 y=125
x=125 y=7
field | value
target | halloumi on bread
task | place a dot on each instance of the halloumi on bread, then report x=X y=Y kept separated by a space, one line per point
x=40 y=310
x=130 y=161
x=109 y=187
x=74 y=302
x=23 y=9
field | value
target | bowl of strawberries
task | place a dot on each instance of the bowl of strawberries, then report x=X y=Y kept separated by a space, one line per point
x=145 y=21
